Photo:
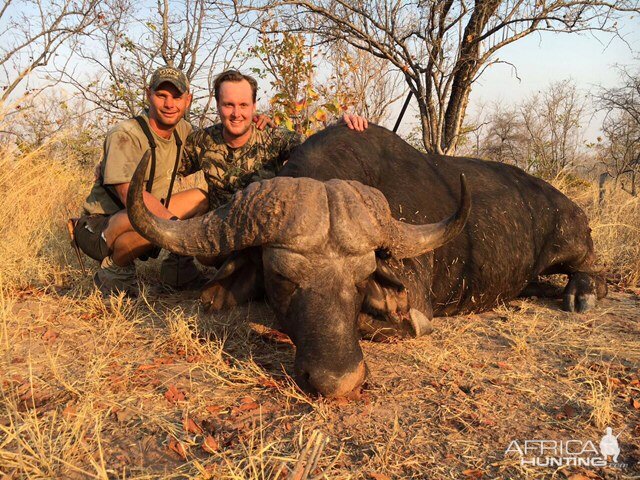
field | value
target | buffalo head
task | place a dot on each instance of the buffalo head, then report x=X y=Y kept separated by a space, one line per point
x=318 y=242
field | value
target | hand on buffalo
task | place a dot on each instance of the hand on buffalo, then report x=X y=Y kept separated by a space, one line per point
x=262 y=121
x=355 y=122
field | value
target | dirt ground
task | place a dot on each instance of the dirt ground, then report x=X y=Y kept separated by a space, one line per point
x=156 y=388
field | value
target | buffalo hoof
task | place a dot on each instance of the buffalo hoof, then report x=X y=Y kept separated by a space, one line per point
x=580 y=294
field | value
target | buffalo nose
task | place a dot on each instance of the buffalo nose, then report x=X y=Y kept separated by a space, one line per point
x=331 y=384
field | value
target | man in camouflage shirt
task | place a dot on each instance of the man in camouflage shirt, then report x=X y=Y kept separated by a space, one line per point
x=229 y=169
x=236 y=152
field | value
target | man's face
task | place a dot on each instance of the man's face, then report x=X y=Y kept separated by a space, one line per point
x=236 y=107
x=167 y=105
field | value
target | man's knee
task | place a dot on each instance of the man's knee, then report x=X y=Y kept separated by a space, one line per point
x=131 y=240
x=89 y=235
x=118 y=225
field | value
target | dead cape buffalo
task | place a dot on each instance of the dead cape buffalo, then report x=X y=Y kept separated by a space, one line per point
x=337 y=258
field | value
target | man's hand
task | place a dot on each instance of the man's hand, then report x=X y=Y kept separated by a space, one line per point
x=262 y=121
x=355 y=122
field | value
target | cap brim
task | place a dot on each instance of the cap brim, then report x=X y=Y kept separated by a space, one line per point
x=179 y=85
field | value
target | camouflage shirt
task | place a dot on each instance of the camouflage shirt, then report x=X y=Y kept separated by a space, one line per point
x=227 y=169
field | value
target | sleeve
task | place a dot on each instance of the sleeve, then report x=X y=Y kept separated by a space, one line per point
x=122 y=153
x=190 y=162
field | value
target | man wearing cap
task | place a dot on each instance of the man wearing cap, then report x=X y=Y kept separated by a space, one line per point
x=104 y=232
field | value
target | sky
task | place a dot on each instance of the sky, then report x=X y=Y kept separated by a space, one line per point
x=542 y=58
x=588 y=59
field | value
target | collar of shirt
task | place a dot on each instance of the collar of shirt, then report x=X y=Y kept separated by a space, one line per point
x=231 y=152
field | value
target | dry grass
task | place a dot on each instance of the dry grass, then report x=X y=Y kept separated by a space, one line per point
x=96 y=388
x=37 y=190
x=615 y=225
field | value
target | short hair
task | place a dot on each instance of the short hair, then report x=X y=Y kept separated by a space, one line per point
x=234 y=76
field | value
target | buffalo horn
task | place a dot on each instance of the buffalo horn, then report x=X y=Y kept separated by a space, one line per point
x=409 y=241
x=184 y=237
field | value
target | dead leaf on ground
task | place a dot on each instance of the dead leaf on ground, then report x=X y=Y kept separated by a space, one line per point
x=173 y=395
x=178 y=447
x=246 y=404
x=473 y=473
x=215 y=409
x=191 y=426
x=636 y=403
x=50 y=336
x=378 y=476
x=210 y=444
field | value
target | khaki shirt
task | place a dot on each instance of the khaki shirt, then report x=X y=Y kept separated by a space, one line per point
x=123 y=148
x=227 y=170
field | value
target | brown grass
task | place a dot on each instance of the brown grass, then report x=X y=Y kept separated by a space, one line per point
x=95 y=388
x=615 y=225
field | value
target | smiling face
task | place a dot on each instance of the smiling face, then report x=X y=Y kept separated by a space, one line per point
x=236 y=109
x=167 y=106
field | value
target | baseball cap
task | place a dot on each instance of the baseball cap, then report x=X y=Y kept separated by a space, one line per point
x=169 y=74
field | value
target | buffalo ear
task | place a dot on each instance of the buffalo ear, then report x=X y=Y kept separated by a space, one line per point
x=234 y=288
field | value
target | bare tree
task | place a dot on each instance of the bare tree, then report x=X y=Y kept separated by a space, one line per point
x=33 y=31
x=542 y=134
x=58 y=120
x=552 y=121
x=192 y=35
x=620 y=151
x=371 y=83
x=442 y=46
x=504 y=140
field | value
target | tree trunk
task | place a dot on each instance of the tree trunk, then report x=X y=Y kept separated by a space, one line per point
x=464 y=72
